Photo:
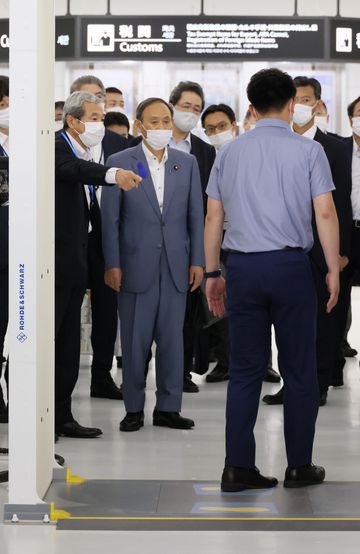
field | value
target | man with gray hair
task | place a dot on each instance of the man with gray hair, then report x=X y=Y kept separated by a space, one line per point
x=103 y=299
x=77 y=176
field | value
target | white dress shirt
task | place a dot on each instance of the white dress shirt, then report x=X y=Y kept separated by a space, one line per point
x=157 y=171
x=355 y=174
x=310 y=133
x=4 y=141
x=184 y=145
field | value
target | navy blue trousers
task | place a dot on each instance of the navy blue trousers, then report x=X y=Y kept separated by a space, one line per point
x=264 y=289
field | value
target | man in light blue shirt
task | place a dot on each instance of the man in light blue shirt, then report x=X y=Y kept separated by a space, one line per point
x=267 y=182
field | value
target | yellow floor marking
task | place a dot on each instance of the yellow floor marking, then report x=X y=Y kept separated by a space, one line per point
x=73 y=479
x=131 y=518
x=231 y=509
x=55 y=514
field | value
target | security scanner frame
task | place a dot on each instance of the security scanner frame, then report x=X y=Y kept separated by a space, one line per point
x=40 y=490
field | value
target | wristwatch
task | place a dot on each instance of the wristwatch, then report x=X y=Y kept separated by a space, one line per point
x=212 y=274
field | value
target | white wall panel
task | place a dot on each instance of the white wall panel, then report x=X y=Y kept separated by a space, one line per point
x=245 y=7
x=317 y=8
x=155 y=7
x=4 y=8
x=88 y=7
x=60 y=7
x=350 y=8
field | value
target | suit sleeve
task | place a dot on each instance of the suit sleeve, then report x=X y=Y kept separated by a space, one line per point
x=69 y=168
x=110 y=220
x=341 y=173
x=196 y=218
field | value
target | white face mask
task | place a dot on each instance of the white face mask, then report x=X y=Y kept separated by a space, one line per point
x=302 y=114
x=221 y=138
x=158 y=138
x=116 y=109
x=356 y=125
x=58 y=125
x=93 y=134
x=185 y=121
x=4 y=118
x=321 y=122
x=252 y=126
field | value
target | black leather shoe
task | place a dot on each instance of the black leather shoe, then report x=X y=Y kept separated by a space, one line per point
x=105 y=389
x=236 y=479
x=323 y=399
x=119 y=362
x=304 y=476
x=348 y=351
x=4 y=416
x=75 y=430
x=4 y=411
x=218 y=374
x=133 y=421
x=273 y=399
x=172 y=420
x=271 y=376
x=337 y=380
x=189 y=385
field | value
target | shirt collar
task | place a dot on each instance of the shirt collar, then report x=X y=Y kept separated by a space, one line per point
x=3 y=138
x=310 y=133
x=186 y=139
x=80 y=151
x=272 y=122
x=150 y=158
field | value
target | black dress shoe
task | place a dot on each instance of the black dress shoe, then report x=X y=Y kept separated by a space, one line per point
x=274 y=399
x=172 y=420
x=133 y=421
x=236 y=479
x=218 y=374
x=119 y=362
x=105 y=389
x=348 y=351
x=189 y=385
x=304 y=476
x=4 y=415
x=75 y=430
x=337 y=380
x=323 y=399
x=271 y=376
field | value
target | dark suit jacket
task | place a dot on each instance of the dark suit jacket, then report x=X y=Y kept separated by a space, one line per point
x=340 y=166
x=335 y=135
x=205 y=154
x=112 y=143
x=349 y=145
x=72 y=214
x=4 y=237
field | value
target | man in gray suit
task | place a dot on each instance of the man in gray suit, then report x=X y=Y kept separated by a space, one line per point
x=153 y=249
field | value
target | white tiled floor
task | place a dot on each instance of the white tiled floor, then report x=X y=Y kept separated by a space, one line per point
x=156 y=453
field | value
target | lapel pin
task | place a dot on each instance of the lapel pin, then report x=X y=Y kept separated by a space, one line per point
x=176 y=167
x=141 y=169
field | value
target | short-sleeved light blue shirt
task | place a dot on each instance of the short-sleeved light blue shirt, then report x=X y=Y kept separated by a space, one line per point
x=266 y=180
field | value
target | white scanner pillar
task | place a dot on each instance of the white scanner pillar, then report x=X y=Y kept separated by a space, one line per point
x=31 y=268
